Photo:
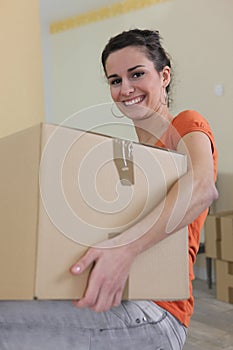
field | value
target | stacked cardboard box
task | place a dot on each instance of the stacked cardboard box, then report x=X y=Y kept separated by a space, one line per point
x=219 y=246
x=91 y=187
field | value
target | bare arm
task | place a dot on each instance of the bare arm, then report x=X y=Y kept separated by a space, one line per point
x=187 y=198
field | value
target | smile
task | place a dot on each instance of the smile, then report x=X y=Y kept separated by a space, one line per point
x=133 y=101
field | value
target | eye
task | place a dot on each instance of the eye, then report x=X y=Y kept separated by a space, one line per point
x=116 y=81
x=137 y=74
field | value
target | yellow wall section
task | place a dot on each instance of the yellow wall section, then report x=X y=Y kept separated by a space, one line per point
x=21 y=86
x=101 y=14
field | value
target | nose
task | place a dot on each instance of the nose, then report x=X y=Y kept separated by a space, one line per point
x=126 y=87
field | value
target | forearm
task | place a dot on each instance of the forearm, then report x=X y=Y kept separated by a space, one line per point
x=178 y=210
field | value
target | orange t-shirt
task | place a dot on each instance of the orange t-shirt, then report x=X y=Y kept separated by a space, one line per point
x=184 y=123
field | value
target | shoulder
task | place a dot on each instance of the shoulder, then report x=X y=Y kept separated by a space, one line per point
x=190 y=120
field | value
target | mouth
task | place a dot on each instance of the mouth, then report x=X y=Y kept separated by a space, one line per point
x=133 y=101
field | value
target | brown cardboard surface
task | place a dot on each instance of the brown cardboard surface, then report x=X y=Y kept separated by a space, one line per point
x=82 y=201
x=224 y=281
x=159 y=273
x=213 y=235
x=19 y=158
x=98 y=211
x=227 y=238
x=212 y=238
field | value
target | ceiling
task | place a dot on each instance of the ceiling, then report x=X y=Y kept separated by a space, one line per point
x=54 y=10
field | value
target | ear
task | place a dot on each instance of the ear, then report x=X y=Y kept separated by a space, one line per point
x=166 y=76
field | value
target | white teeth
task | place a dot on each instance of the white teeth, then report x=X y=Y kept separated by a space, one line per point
x=132 y=102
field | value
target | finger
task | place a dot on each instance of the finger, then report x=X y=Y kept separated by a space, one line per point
x=103 y=303
x=83 y=263
x=117 y=299
x=105 y=298
x=91 y=293
x=89 y=300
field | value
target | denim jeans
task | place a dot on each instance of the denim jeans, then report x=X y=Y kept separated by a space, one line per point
x=134 y=325
x=138 y=325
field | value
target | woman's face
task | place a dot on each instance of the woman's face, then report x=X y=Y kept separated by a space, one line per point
x=135 y=84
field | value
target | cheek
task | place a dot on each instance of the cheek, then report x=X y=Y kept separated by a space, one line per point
x=155 y=90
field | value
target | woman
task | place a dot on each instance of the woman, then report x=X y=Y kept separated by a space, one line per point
x=138 y=71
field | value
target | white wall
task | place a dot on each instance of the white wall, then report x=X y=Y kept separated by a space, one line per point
x=197 y=34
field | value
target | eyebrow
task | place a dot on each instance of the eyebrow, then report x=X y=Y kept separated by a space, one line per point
x=129 y=70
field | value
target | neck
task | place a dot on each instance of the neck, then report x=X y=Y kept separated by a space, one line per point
x=150 y=130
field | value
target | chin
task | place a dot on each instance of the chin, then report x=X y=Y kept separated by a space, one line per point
x=138 y=113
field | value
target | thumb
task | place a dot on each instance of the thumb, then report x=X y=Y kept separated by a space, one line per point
x=82 y=264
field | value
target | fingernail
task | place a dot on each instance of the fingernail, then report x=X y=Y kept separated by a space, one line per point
x=76 y=268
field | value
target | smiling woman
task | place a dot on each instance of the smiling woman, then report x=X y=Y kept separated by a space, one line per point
x=136 y=82
x=139 y=75
x=139 y=72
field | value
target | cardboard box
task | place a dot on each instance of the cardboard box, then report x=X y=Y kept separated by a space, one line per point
x=213 y=234
x=227 y=238
x=224 y=281
x=91 y=187
x=19 y=158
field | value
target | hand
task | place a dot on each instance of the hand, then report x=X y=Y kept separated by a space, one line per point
x=107 y=278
